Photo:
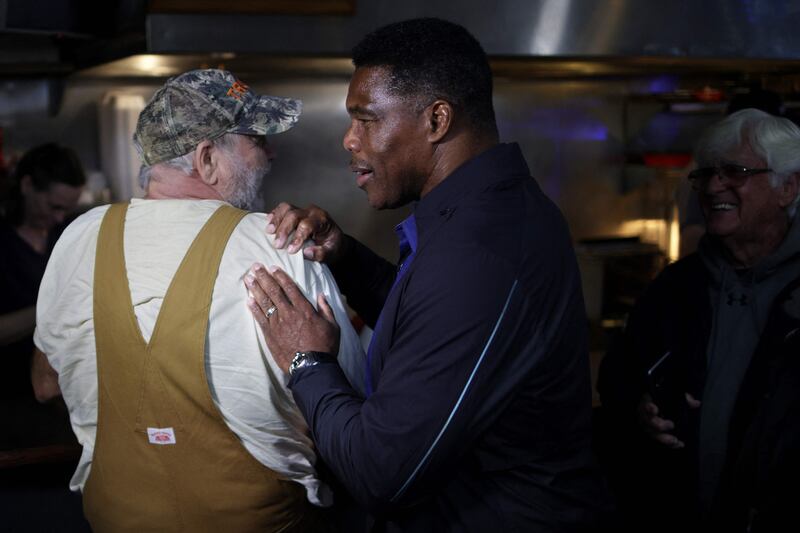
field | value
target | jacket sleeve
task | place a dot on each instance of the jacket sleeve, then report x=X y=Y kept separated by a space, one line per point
x=365 y=278
x=449 y=372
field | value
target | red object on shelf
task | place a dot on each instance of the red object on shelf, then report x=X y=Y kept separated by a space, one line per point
x=672 y=160
x=708 y=94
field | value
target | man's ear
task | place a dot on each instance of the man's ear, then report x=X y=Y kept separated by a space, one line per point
x=206 y=161
x=789 y=189
x=440 y=118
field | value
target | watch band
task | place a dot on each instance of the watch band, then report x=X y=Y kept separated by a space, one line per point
x=307 y=359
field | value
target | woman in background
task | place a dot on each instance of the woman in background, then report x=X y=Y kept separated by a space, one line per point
x=38 y=450
x=45 y=188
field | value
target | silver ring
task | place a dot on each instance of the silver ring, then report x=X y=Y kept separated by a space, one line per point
x=270 y=311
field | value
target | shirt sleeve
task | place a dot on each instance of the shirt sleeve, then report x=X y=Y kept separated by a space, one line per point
x=438 y=387
x=351 y=357
x=247 y=384
x=64 y=307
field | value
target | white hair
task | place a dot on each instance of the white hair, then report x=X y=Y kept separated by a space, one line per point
x=775 y=139
x=185 y=163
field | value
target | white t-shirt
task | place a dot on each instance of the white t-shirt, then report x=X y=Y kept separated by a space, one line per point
x=246 y=385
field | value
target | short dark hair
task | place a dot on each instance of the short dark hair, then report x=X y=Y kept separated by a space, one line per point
x=45 y=164
x=433 y=58
x=50 y=163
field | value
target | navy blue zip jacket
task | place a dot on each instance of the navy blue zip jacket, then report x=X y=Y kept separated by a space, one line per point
x=480 y=405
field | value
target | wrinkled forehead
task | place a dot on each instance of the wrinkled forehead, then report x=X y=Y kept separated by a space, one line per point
x=369 y=83
x=375 y=85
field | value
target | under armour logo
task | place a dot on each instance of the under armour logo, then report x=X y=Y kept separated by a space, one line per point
x=741 y=299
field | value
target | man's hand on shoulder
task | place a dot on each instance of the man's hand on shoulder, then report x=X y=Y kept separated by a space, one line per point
x=309 y=223
x=288 y=320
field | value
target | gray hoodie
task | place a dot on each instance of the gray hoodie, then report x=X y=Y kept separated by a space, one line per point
x=741 y=300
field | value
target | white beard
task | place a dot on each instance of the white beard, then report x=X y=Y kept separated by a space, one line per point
x=246 y=185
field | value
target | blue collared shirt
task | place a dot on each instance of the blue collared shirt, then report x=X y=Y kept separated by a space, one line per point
x=407 y=239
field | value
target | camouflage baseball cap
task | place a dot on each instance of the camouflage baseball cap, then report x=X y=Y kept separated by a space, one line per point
x=205 y=104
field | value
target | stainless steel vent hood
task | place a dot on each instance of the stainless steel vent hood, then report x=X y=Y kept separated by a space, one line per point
x=40 y=38
x=561 y=37
x=521 y=28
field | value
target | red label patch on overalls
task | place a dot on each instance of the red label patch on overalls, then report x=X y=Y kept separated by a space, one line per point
x=161 y=435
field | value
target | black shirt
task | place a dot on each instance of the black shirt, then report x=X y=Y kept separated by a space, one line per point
x=26 y=423
x=21 y=271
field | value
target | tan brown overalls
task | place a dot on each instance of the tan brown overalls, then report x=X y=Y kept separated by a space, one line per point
x=188 y=471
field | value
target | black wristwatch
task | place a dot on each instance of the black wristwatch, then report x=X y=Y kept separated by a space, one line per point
x=306 y=359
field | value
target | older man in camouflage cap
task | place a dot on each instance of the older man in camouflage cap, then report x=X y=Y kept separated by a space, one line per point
x=185 y=421
x=211 y=107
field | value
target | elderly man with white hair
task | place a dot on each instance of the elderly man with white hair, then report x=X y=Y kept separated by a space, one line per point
x=185 y=421
x=708 y=366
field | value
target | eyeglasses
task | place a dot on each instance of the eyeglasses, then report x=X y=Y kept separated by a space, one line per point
x=729 y=173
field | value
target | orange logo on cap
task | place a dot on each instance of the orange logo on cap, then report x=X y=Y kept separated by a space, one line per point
x=237 y=90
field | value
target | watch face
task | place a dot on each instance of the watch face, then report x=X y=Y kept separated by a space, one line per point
x=304 y=359
x=297 y=362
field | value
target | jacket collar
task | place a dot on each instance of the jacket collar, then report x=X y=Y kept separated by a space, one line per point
x=499 y=163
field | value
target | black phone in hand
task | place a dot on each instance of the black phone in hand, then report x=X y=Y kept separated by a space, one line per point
x=664 y=383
